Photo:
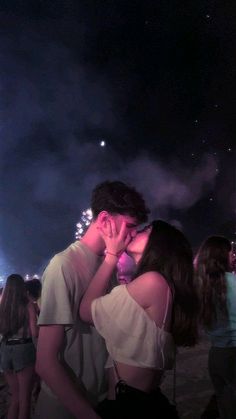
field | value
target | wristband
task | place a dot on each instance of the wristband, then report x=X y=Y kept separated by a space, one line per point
x=112 y=254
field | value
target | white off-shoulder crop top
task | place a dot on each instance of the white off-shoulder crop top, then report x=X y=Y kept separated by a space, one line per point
x=131 y=336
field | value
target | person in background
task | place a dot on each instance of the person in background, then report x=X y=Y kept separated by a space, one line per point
x=34 y=288
x=1 y=291
x=233 y=257
x=217 y=291
x=144 y=320
x=71 y=354
x=18 y=326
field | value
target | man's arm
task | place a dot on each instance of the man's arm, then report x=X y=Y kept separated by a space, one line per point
x=50 y=369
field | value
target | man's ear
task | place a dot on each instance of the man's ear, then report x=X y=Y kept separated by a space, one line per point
x=102 y=219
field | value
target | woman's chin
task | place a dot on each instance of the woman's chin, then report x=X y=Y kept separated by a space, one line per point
x=133 y=256
x=128 y=252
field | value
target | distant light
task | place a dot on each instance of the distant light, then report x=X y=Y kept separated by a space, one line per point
x=211 y=199
x=29 y=277
x=208 y=16
x=229 y=149
x=84 y=223
x=102 y=143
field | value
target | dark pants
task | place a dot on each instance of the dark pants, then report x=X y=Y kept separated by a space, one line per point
x=211 y=410
x=136 y=404
x=222 y=370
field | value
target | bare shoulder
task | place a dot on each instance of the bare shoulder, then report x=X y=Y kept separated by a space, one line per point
x=152 y=279
x=147 y=288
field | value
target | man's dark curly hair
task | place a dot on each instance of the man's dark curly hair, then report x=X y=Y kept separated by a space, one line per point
x=118 y=198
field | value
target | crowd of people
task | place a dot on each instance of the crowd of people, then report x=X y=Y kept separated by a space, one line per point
x=93 y=344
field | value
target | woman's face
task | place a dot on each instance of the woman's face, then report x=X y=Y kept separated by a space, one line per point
x=136 y=247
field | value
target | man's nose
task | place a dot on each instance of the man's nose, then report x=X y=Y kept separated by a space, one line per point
x=133 y=233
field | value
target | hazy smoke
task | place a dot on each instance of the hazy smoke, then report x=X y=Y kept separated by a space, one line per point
x=54 y=111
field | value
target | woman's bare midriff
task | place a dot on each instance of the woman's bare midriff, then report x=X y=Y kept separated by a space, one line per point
x=145 y=379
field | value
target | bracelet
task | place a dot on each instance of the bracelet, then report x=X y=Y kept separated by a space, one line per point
x=112 y=254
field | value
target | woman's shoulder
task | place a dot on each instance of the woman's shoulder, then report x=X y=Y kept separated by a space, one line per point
x=151 y=279
x=148 y=287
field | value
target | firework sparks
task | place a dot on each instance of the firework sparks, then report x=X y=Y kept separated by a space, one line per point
x=84 y=223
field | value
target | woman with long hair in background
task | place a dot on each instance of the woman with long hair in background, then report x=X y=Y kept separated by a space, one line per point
x=18 y=325
x=217 y=292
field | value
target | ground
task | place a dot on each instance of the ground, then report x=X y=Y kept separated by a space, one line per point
x=193 y=387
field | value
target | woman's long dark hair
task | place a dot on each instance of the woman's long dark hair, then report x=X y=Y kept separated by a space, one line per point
x=212 y=262
x=13 y=306
x=169 y=253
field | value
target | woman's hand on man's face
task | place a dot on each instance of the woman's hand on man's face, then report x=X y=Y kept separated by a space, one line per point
x=115 y=241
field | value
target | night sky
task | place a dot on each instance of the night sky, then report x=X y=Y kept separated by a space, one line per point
x=154 y=80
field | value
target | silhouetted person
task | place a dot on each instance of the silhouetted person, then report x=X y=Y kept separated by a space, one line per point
x=34 y=288
x=217 y=287
x=18 y=325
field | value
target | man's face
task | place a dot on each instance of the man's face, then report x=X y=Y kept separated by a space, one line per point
x=131 y=223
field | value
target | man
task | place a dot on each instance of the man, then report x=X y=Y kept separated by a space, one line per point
x=71 y=355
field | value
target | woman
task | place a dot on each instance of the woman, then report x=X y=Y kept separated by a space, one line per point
x=18 y=325
x=218 y=316
x=143 y=320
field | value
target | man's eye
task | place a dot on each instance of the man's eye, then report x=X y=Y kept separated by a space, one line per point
x=144 y=228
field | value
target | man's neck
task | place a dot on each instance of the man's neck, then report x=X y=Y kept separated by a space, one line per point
x=93 y=240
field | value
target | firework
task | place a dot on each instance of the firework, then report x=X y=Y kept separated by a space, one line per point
x=83 y=224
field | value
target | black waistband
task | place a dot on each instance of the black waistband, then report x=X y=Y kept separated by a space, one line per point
x=17 y=341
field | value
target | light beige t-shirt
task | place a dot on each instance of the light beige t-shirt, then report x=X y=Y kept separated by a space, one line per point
x=64 y=283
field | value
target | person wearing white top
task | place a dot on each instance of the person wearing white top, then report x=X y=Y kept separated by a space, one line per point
x=143 y=321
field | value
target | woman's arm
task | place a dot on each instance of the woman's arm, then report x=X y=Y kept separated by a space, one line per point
x=34 y=329
x=115 y=244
